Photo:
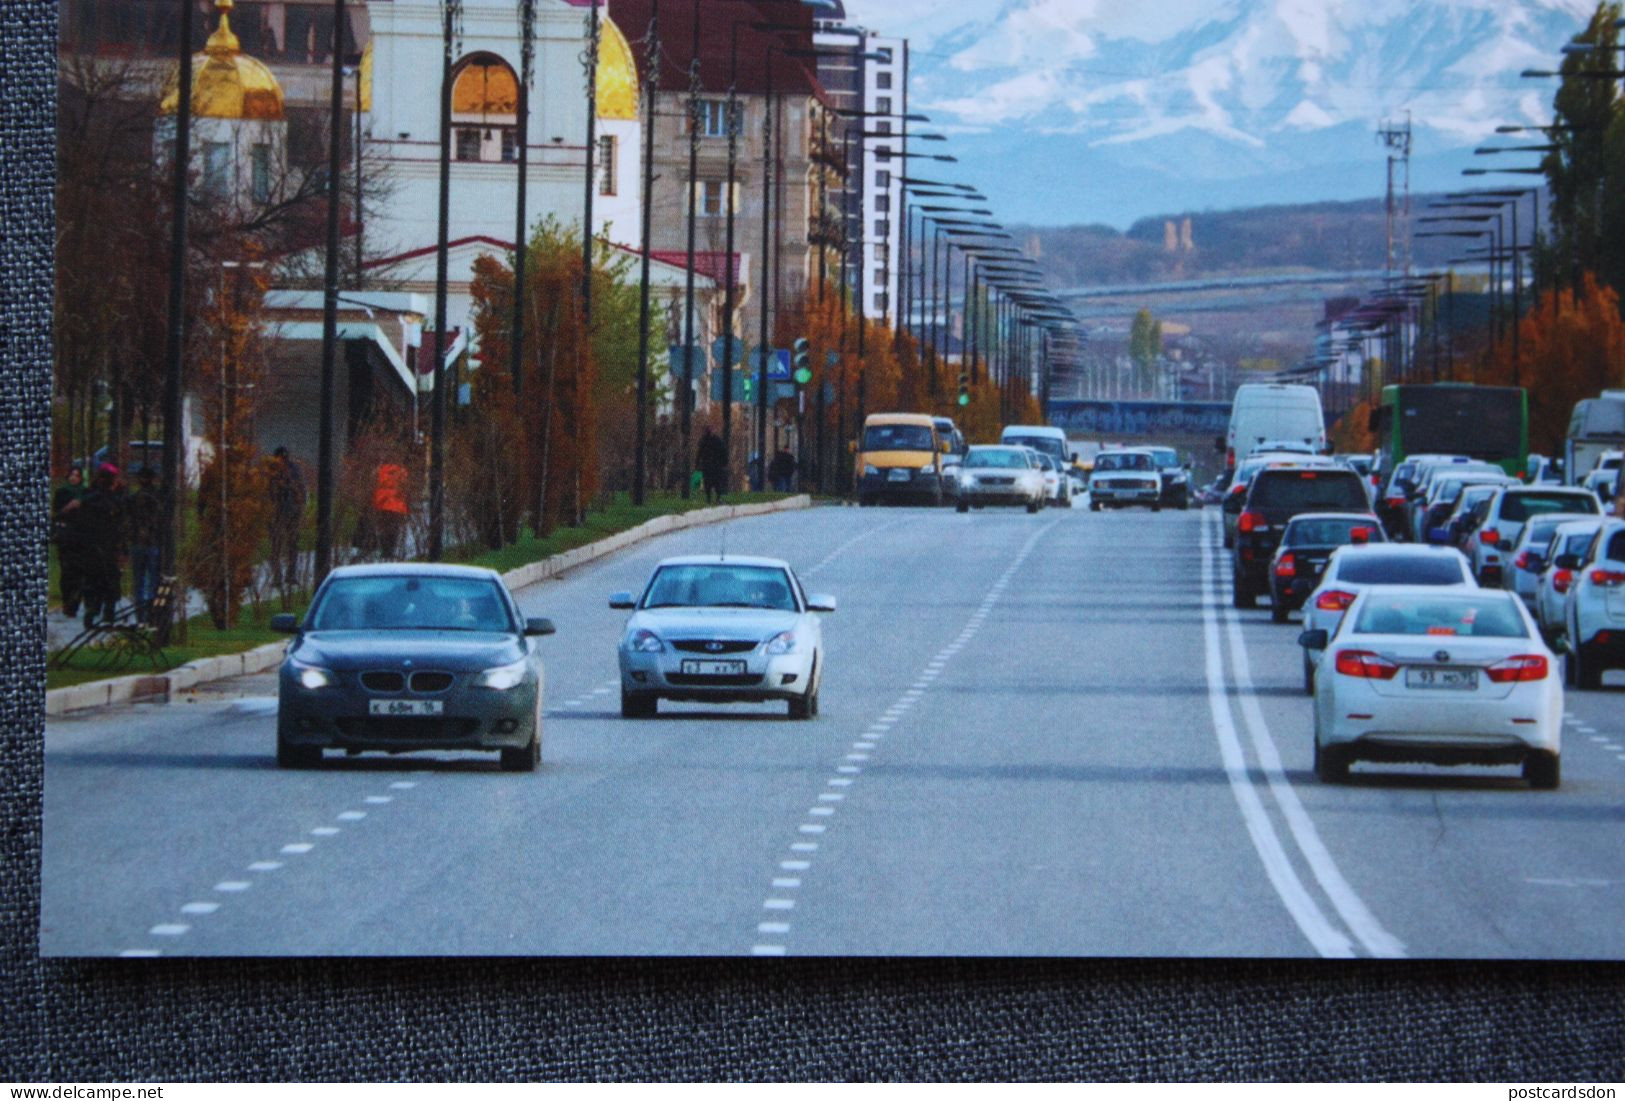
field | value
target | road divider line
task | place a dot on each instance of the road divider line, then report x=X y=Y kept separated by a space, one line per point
x=1322 y=935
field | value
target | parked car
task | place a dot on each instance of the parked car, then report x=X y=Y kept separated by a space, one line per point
x=1353 y=569
x=998 y=475
x=1423 y=675
x=1509 y=509
x=404 y=656
x=1306 y=545
x=1595 y=608
x=1276 y=495
x=721 y=629
x=1572 y=538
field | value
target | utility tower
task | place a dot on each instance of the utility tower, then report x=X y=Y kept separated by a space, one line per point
x=1397 y=138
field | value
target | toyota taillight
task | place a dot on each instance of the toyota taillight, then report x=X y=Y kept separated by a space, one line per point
x=1250 y=521
x=1562 y=579
x=1489 y=537
x=1286 y=566
x=1526 y=561
x=1607 y=577
x=1334 y=600
x=1520 y=668
x=1364 y=663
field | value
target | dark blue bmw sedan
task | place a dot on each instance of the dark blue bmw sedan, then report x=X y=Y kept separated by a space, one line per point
x=407 y=656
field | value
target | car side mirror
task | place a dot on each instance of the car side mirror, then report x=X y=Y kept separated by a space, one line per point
x=285 y=623
x=537 y=627
x=1567 y=561
x=1314 y=640
x=820 y=602
x=622 y=600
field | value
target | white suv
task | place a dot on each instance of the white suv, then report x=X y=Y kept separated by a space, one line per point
x=1596 y=606
x=1504 y=520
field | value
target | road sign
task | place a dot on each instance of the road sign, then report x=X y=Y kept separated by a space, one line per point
x=741 y=385
x=741 y=350
x=675 y=351
x=778 y=364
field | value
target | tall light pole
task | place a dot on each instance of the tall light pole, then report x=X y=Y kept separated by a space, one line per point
x=452 y=10
x=685 y=400
x=640 y=461
x=175 y=335
x=527 y=60
x=330 y=308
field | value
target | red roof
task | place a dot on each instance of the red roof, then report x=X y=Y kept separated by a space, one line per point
x=795 y=76
x=712 y=265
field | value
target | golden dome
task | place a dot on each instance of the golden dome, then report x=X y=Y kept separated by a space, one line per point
x=617 y=75
x=227 y=83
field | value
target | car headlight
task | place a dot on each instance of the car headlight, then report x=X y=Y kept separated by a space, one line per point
x=782 y=643
x=645 y=642
x=503 y=677
x=313 y=676
x=870 y=469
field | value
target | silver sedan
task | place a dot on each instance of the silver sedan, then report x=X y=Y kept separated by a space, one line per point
x=722 y=629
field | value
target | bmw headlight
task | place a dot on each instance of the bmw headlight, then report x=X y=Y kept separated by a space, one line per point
x=782 y=643
x=503 y=677
x=312 y=676
x=645 y=641
x=870 y=469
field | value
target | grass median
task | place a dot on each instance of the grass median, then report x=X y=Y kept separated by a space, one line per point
x=203 y=640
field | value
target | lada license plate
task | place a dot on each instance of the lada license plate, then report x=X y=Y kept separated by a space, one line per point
x=402 y=708
x=713 y=668
x=897 y=474
x=1459 y=680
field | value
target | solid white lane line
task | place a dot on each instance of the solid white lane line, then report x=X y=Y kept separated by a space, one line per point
x=1325 y=938
x=1348 y=904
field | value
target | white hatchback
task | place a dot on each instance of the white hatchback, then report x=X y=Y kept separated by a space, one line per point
x=1440 y=677
x=1596 y=606
x=1573 y=537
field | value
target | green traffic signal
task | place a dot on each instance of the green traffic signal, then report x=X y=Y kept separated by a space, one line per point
x=803 y=375
x=964 y=398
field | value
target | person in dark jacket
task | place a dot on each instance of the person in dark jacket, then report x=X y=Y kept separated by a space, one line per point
x=287 y=513
x=70 y=558
x=144 y=521
x=782 y=471
x=101 y=525
x=712 y=459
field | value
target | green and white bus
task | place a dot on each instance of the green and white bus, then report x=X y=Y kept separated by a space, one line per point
x=1490 y=423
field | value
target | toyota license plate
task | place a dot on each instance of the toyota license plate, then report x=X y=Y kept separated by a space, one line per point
x=1459 y=680
x=404 y=708
x=713 y=668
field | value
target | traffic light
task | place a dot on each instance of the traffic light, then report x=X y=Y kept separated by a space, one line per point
x=747 y=384
x=964 y=388
x=800 y=362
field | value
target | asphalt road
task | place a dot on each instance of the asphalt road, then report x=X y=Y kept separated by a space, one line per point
x=1040 y=735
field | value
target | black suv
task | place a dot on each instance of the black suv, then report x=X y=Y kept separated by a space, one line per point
x=1276 y=495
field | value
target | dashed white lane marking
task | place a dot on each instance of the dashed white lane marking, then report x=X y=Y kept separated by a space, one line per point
x=265 y=865
x=324 y=831
x=139 y=954
x=379 y=800
x=404 y=785
x=297 y=848
x=351 y=815
x=867 y=533
x=200 y=907
x=232 y=886
x=1326 y=939
x=874 y=734
x=174 y=929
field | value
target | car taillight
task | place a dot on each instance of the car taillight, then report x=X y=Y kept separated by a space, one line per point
x=1230 y=457
x=1603 y=577
x=1250 y=521
x=1239 y=487
x=1286 y=566
x=1519 y=668
x=1364 y=663
x=1396 y=502
x=1361 y=536
x=1334 y=600
x=1562 y=579
x=1489 y=537
x=1524 y=561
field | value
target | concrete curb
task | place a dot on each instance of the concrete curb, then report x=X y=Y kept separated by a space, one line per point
x=103 y=693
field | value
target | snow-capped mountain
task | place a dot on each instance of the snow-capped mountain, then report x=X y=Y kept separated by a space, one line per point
x=1108 y=110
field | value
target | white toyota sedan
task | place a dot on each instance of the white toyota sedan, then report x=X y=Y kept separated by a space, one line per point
x=1437 y=676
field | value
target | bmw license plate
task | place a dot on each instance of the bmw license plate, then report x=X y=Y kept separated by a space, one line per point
x=713 y=668
x=403 y=708
x=1459 y=680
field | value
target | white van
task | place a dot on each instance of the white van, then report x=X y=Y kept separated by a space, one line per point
x=1273 y=411
x=1597 y=426
x=1039 y=437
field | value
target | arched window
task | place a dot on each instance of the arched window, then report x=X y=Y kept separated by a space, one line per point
x=485 y=109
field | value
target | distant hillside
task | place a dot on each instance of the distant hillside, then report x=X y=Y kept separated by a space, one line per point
x=1329 y=236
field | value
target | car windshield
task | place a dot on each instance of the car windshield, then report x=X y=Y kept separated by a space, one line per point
x=1329 y=532
x=1134 y=461
x=1002 y=457
x=720 y=585
x=1518 y=507
x=411 y=603
x=1044 y=445
x=898 y=437
x=1489 y=616
x=1303 y=490
x=1401 y=569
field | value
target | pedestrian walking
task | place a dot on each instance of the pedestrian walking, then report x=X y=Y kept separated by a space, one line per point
x=102 y=529
x=144 y=520
x=782 y=471
x=389 y=508
x=66 y=534
x=287 y=483
x=712 y=460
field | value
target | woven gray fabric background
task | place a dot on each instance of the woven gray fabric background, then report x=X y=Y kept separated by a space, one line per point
x=838 y=1019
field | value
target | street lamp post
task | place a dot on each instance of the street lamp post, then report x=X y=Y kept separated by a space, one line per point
x=330 y=306
x=437 y=421
x=640 y=452
x=175 y=334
